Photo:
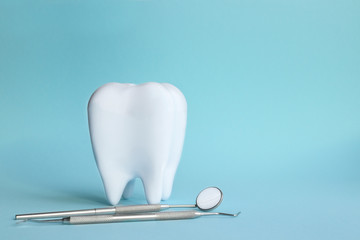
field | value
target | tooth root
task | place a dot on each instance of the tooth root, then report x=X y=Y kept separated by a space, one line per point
x=153 y=186
x=129 y=189
x=168 y=180
x=114 y=187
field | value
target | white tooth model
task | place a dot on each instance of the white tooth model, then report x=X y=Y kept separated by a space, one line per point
x=137 y=131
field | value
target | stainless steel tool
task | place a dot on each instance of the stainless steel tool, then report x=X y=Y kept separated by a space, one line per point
x=154 y=216
x=209 y=198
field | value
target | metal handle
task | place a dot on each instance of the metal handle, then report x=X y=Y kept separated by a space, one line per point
x=96 y=211
x=135 y=217
x=110 y=210
x=140 y=208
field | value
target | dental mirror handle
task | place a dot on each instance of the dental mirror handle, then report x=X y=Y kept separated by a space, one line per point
x=101 y=211
x=147 y=208
x=137 y=217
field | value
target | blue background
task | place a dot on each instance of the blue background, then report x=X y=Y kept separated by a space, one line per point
x=273 y=91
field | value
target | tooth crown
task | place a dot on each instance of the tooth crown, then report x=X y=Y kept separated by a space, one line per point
x=137 y=131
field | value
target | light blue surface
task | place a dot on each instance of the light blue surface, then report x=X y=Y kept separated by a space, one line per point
x=273 y=91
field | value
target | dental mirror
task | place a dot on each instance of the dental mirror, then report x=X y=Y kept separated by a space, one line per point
x=209 y=198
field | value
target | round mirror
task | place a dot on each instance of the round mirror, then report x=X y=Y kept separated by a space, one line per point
x=209 y=198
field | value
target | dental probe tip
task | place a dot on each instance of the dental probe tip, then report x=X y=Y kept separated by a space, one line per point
x=237 y=214
x=230 y=214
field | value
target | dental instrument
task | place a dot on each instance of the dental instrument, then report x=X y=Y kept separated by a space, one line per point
x=154 y=216
x=209 y=198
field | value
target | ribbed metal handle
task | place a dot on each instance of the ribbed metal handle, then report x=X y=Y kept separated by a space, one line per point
x=139 y=208
x=135 y=217
x=177 y=215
